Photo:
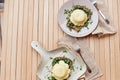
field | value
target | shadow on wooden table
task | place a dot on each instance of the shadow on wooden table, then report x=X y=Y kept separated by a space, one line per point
x=1 y=11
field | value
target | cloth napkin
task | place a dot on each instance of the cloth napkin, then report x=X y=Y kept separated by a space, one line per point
x=73 y=44
x=103 y=28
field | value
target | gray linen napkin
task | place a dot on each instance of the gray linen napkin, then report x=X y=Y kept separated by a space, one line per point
x=85 y=52
x=103 y=28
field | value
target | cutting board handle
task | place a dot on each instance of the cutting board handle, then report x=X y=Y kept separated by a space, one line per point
x=36 y=45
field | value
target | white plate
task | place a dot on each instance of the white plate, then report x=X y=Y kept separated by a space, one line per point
x=84 y=31
x=46 y=63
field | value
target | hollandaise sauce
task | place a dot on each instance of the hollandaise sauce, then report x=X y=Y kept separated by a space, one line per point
x=78 y=17
x=61 y=68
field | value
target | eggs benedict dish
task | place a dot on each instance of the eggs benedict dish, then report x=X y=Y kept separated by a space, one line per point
x=78 y=17
x=61 y=68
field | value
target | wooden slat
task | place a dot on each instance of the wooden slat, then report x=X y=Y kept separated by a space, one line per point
x=35 y=37
x=24 y=41
x=14 y=40
x=0 y=35
x=112 y=47
x=45 y=27
x=97 y=51
x=107 y=58
x=1 y=16
x=0 y=40
x=55 y=37
x=19 y=42
x=4 y=43
x=29 y=39
x=118 y=53
x=9 y=40
x=117 y=36
x=102 y=58
x=61 y=33
x=51 y=26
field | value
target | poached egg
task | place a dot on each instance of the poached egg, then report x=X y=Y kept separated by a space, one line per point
x=78 y=17
x=61 y=70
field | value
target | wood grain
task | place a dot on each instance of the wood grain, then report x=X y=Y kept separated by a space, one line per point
x=29 y=39
x=14 y=40
x=35 y=37
x=27 y=20
x=4 y=32
x=9 y=40
x=19 y=42
x=24 y=40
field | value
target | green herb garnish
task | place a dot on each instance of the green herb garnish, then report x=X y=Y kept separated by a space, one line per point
x=73 y=60
x=65 y=51
x=56 y=60
x=80 y=67
x=50 y=58
x=66 y=60
x=51 y=78
x=90 y=21
x=67 y=11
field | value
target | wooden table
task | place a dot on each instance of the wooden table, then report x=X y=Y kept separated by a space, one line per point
x=27 y=20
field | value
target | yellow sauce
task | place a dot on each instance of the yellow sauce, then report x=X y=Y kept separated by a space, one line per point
x=61 y=71
x=78 y=17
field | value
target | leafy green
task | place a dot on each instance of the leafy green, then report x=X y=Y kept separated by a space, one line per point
x=80 y=67
x=66 y=60
x=67 y=11
x=51 y=78
x=50 y=58
x=65 y=51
